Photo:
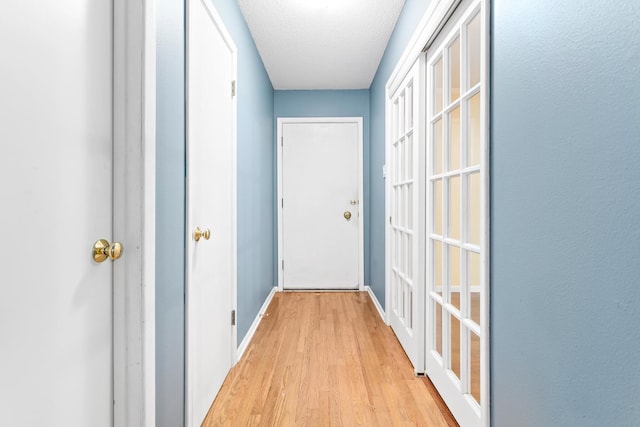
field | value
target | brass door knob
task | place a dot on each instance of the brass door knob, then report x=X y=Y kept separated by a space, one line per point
x=347 y=215
x=199 y=234
x=102 y=250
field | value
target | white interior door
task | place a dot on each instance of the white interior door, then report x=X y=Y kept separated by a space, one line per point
x=321 y=196
x=457 y=348
x=56 y=192
x=211 y=257
x=406 y=196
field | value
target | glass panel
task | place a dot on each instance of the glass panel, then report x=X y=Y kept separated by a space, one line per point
x=396 y=163
x=454 y=276
x=474 y=375
x=437 y=324
x=473 y=278
x=454 y=139
x=454 y=70
x=403 y=161
x=402 y=208
x=410 y=157
x=410 y=206
x=473 y=50
x=394 y=291
x=437 y=267
x=473 y=206
x=396 y=204
x=437 y=207
x=399 y=249
x=454 y=207
x=396 y=249
x=437 y=86
x=437 y=147
x=394 y=127
x=409 y=307
x=473 y=140
x=401 y=116
x=400 y=298
x=409 y=272
x=455 y=345
x=409 y=109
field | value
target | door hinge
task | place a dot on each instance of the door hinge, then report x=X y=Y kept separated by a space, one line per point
x=389 y=220
x=282 y=141
x=283 y=264
x=233 y=88
x=233 y=318
x=282 y=203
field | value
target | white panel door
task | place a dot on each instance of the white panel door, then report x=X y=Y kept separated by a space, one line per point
x=56 y=194
x=406 y=195
x=457 y=347
x=210 y=208
x=320 y=204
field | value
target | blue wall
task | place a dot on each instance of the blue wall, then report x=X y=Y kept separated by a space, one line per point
x=409 y=18
x=255 y=194
x=256 y=190
x=331 y=103
x=170 y=213
x=565 y=213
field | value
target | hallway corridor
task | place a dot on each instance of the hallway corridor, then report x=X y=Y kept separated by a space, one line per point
x=325 y=359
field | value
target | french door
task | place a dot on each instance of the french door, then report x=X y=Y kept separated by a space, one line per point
x=405 y=152
x=456 y=117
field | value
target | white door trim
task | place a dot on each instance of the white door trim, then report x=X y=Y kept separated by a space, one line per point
x=134 y=121
x=359 y=120
x=233 y=183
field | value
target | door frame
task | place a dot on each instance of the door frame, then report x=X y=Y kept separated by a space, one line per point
x=285 y=120
x=234 y=172
x=433 y=21
x=134 y=196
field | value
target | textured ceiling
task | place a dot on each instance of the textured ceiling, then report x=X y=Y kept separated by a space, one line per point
x=321 y=44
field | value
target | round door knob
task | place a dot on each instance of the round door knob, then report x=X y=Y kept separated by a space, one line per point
x=347 y=215
x=201 y=234
x=102 y=250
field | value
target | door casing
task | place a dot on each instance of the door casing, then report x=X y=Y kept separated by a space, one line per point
x=280 y=122
x=134 y=201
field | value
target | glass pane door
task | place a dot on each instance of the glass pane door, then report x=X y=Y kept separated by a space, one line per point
x=455 y=120
x=407 y=306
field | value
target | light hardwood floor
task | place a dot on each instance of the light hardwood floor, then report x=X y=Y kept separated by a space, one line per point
x=325 y=359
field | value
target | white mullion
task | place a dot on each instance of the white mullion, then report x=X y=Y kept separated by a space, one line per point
x=472 y=326
x=436 y=238
x=465 y=382
x=430 y=323
x=446 y=109
x=484 y=221
x=468 y=170
x=453 y=310
x=451 y=242
x=471 y=91
x=471 y=248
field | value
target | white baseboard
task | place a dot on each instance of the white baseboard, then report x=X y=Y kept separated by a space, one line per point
x=254 y=326
x=377 y=304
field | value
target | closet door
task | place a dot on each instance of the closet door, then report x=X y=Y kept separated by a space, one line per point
x=457 y=344
x=405 y=193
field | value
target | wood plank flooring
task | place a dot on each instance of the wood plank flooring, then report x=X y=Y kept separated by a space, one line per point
x=325 y=359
